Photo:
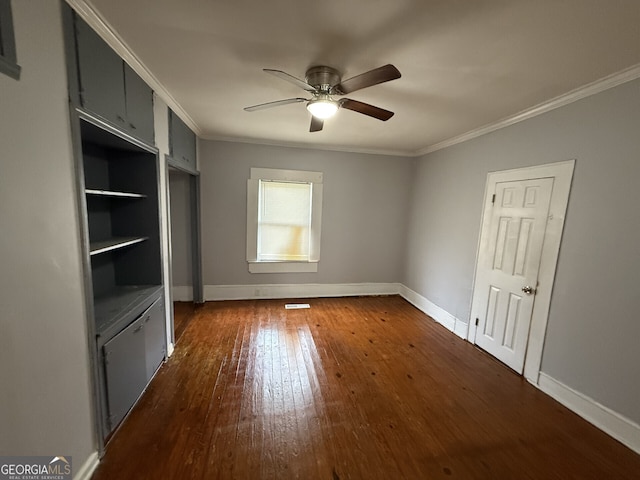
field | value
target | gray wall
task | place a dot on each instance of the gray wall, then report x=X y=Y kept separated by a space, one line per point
x=179 y=192
x=593 y=331
x=363 y=217
x=45 y=394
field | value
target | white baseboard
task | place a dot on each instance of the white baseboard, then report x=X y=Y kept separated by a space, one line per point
x=182 y=293
x=88 y=467
x=610 y=422
x=461 y=329
x=307 y=290
x=439 y=314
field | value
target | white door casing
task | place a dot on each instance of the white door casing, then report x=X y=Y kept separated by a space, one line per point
x=518 y=247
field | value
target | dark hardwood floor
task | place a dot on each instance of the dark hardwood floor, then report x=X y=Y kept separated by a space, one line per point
x=183 y=312
x=352 y=388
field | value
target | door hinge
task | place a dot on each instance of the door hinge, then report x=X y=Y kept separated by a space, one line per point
x=477 y=321
x=493 y=199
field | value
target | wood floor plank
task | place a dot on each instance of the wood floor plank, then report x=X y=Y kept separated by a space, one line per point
x=183 y=312
x=352 y=388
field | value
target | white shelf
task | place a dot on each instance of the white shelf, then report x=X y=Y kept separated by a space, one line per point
x=104 y=246
x=110 y=193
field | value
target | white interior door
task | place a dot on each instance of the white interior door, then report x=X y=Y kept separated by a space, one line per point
x=507 y=273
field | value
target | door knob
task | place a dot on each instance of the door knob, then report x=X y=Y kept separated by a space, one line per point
x=528 y=290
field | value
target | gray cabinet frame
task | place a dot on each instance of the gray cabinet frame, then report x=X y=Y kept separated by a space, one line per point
x=196 y=242
x=8 y=58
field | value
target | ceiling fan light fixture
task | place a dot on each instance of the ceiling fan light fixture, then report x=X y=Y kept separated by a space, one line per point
x=323 y=83
x=322 y=107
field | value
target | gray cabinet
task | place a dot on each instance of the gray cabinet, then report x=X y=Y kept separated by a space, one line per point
x=121 y=186
x=125 y=371
x=130 y=360
x=122 y=208
x=109 y=88
x=182 y=143
x=8 y=60
x=139 y=105
x=118 y=183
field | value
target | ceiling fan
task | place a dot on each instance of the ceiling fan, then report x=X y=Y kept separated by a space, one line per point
x=324 y=83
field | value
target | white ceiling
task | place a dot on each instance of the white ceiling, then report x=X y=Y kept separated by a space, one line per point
x=465 y=64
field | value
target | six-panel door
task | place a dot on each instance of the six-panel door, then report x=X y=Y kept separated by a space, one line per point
x=507 y=278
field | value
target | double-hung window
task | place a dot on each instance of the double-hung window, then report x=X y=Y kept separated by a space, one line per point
x=284 y=212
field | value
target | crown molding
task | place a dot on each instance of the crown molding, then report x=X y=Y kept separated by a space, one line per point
x=308 y=146
x=89 y=14
x=610 y=81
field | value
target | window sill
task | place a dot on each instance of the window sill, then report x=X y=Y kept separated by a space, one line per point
x=283 y=267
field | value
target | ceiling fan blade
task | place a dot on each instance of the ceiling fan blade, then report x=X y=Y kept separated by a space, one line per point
x=316 y=124
x=277 y=103
x=366 y=109
x=367 y=79
x=291 y=79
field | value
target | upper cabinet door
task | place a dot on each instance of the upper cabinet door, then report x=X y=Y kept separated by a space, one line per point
x=182 y=143
x=110 y=88
x=139 y=103
x=100 y=76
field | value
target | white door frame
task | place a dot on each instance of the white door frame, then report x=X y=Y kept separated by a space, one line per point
x=562 y=173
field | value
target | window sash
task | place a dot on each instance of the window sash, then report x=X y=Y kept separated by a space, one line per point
x=284 y=220
x=291 y=264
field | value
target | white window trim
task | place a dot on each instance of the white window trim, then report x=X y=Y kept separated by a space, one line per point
x=256 y=266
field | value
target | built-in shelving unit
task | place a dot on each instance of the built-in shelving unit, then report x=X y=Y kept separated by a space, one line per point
x=121 y=193
x=118 y=183
x=122 y=215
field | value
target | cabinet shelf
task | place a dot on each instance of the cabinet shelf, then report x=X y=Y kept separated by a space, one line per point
x=113 y=194
x=116 y=308
x=110 y=244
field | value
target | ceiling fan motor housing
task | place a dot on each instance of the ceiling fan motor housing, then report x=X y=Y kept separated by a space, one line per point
x=322 y=78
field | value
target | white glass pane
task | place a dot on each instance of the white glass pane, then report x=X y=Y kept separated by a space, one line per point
x=284 y=221
x=285 y=203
